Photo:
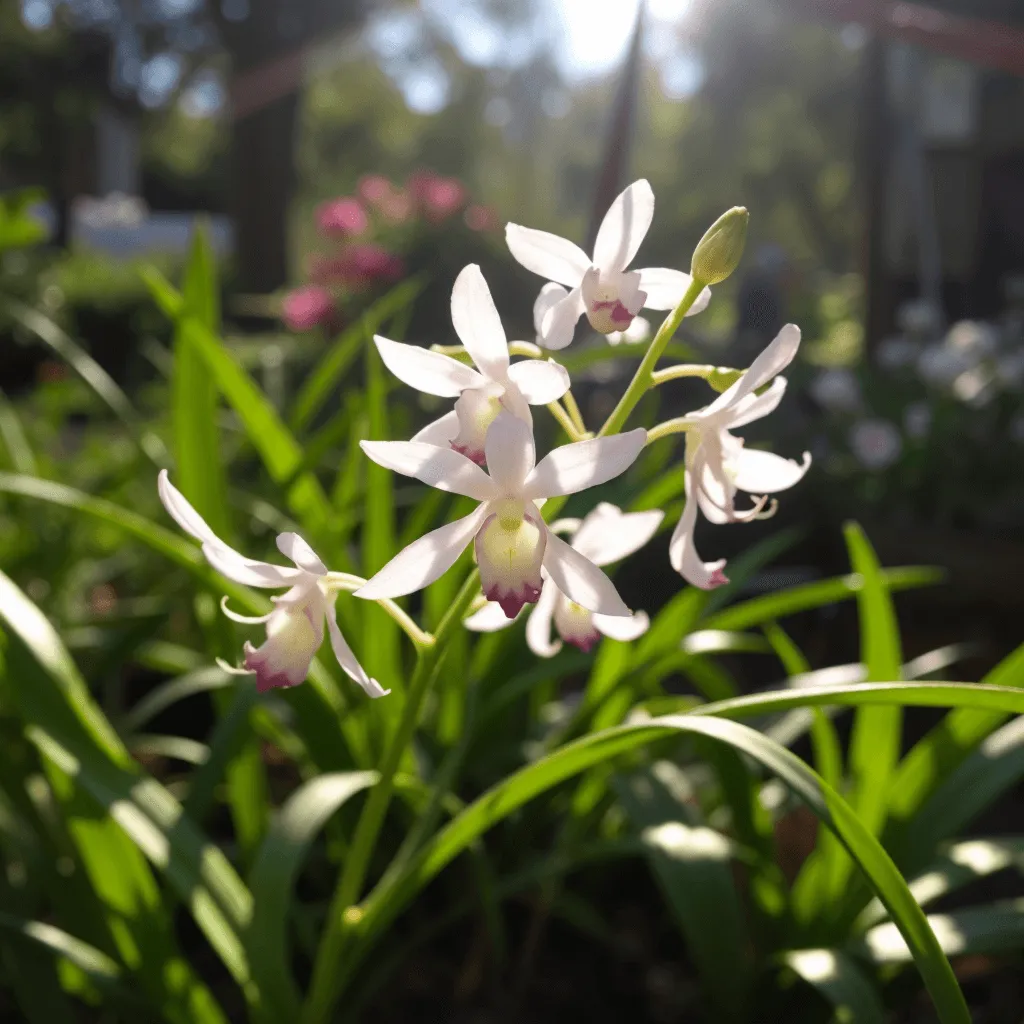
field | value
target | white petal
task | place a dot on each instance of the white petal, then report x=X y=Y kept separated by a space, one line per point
x=346 y=659
x=772 y=361
x=631 y=295
x=538 y=625
x=550 y=295
x=477 y=323
x=619 y=627
x=575 y=467
x=754 y=407
x=430 y=372
x=559 y=323
x=538 y=381
x=608 y=534
x=717 y=491
x=510 y=452
x=580 y=580
x=624 y=227
x=294 y=634
x=439 y=467
x=488 y=619
x=665 y=289
x=292 y=546
x=424 y=560
x=684 y=557
x=441 y=431
x=764 y=473
x=228 y=562
x=552 y=257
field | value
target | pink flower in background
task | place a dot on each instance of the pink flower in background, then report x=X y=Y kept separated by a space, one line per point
x=342 y=217
x=307 y=307
x=390 y=201
x=438 y=197
x=365 y=264
x=481 y=218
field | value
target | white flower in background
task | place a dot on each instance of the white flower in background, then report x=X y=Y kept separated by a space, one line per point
x=295 y=628
x=718 y=465
x=877 y=444
x=917 y=420
x=837 y=390
x=605 y=535
x=920 y=318
x=512 y=541
x=897 y=352
x=974 y=339
x=483 y=392
x=601 y=286
x=639 y=330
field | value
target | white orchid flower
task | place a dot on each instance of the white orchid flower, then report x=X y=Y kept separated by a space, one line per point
x=512 y=541
x=601 y=286
x=717 y=464
x=605 y=535
x=483 y=392
x=295 y=628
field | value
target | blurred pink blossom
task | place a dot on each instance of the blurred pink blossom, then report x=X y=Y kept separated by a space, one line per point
x=344 y=217
x=438 y=197
x=481 y=218
x=362 y=265
x=390 y=201
x=305 y=308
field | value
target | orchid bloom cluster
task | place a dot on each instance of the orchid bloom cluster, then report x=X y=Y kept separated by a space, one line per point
x=484 y=449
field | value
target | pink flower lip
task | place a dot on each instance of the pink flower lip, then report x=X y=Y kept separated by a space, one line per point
x=620 y=316
x=474 y=454
x=718 y=579
x=266 y=677
x=585 y=642
x=512 y=602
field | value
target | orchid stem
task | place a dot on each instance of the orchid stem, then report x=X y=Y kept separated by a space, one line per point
x=643 y=378
x=574 y=411
x=565 y=420
x=668 y=428
x=515 y=348
x=678 y=372
x=349 y=582
x=343 y=915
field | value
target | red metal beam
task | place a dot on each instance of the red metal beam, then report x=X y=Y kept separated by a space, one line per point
x=989 y=43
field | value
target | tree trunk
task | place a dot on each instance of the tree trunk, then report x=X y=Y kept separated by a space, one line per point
x=262 y=182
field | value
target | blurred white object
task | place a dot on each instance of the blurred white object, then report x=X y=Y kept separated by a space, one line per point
x=639 y=330
x=940 y=365
x=919 y=318
x=837 y=390
x=877 y=444
x=917 y=420
x=897 y=352
x=973 y=338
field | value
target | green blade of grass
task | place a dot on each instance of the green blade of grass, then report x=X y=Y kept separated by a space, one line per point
x=385 y=903
x=273 y=877
x=840 y=981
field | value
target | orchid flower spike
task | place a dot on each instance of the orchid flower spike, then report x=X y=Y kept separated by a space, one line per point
x=717 y=464
x=601 y=286
x=482 y=392
x=604 y=536
x=295 y=628
x=512 y=541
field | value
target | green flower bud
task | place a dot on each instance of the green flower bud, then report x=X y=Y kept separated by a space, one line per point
x=723 y=377
x=718 y=253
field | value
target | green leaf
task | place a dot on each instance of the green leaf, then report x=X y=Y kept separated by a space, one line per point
x=840 y=981
x=995 y=928
x=945 y=746
x=280 y=452
x=328 y=373
x=759 y=610
x=501 y=800
x=22 y=458
x=19 y=229
x=877 y=730
x=273 y=877
x=200 y=468
x=957 y=865
x=693 y=866
x=63 y=722
x=104 y=386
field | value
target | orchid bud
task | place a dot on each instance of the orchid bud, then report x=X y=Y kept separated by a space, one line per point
x=718 y=253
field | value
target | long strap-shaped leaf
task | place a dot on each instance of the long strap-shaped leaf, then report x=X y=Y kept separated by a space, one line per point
x=273 y=876
x=500 y=801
